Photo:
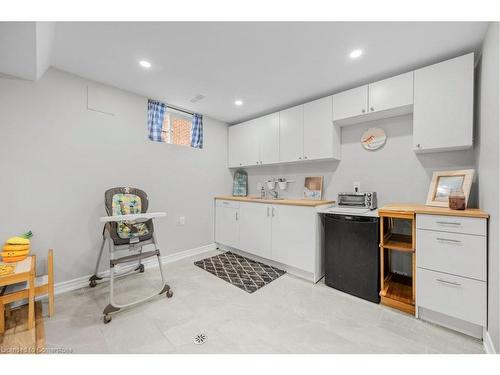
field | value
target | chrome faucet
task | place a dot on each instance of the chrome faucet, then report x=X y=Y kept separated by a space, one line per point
x=274 y=194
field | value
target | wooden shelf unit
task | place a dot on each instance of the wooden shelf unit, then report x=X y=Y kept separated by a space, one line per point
x=397 y=291
x=397 y=241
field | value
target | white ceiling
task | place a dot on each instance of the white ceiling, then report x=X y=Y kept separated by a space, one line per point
x=269 y=66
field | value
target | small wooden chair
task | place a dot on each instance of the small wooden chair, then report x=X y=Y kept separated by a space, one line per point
x=43 y=285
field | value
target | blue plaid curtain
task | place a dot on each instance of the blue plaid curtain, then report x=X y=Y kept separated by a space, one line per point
x=156 y=113
x=197 y=131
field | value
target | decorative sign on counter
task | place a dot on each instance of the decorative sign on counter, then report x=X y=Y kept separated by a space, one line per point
x=373 y=139
x=313 y=187
x=240 y=183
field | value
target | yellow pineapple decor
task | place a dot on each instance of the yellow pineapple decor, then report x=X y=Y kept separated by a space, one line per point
x=16 y=248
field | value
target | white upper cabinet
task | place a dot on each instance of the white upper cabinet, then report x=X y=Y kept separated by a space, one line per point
x=391 y=93
x=291 y=146
x=443 y=109
x=321 y=137
x=254 y=142
x=269 y=133
x=382 y=99
x=243 y=145
x=350 y=103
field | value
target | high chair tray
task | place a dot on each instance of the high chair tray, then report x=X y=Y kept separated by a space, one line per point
x=133 y=217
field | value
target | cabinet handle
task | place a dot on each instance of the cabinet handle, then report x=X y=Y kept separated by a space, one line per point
x=273 y=211
x=305 y=157
x=449 y=282
x=363 y=110
x=268 y=212
x=372 y=109
x=236 y=214
x=418 y=145
x=449 y=240
x=448 y=223
x=257 y=162
x=300 y=157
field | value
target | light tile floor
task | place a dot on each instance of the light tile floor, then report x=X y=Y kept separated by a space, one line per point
x=289 y=315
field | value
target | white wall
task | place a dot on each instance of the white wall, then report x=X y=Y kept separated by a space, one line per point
x=395 y=172
x=488 y=163
x=57 y=158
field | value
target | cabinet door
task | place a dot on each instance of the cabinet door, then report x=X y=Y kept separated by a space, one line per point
x=293 y=236
x=350 y=103
x=234 y=137
x=226 y=226
x=255 y=229
x=269 y=138
x=391 y=93
x=291 y=134
x=321 y=137
x=243 y=144
x=443 y=105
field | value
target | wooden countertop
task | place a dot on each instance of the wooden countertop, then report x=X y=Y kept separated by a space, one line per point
x=289 y=202
x=430 y=210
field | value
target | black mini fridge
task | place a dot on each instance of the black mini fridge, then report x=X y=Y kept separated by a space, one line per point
x=352 y=257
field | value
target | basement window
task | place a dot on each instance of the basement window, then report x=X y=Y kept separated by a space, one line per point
x=177 y=127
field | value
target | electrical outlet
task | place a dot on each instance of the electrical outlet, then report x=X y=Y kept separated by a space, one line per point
x=182 y=220
x=356 y=186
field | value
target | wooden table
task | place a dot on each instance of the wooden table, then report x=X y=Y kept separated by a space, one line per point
x=24 y=272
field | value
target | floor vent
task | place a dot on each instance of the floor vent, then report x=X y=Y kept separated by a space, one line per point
x=200 y=338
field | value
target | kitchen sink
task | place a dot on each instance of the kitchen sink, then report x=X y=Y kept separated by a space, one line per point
x=268 y=199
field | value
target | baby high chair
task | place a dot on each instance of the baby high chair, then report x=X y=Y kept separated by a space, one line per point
x=128 y=227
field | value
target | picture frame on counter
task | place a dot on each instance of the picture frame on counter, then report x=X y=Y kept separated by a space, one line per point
x=443 y=183
x=313 y=187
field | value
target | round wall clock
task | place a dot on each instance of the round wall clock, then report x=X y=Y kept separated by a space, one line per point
x=373 y=139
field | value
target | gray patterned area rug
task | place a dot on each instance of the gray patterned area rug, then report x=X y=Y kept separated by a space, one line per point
x=242 y=272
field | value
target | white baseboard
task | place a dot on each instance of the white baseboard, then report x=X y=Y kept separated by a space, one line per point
x=489 y=348
x=80 y=282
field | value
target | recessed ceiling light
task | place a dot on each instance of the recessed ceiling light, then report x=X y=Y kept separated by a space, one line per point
x=145 y=64
x=238 y=102
x=355 y=53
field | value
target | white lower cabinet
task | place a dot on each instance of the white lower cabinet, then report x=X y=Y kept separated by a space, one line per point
x=293 y=236
x=227 y=228
x=452 y=295
x=287 y=236
x=255 y=229
x=451 y=271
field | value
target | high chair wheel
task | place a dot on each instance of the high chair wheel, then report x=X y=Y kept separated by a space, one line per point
x=170 y=293
x=140 y=268
x=92 y=283
x=106 y=319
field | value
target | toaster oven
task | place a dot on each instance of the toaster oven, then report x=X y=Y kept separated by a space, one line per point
x=358 y=200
